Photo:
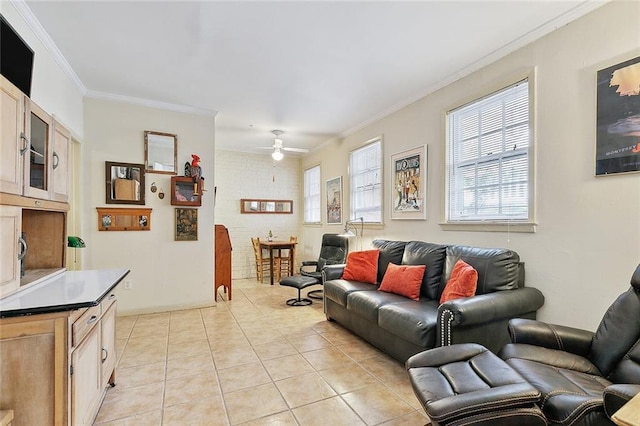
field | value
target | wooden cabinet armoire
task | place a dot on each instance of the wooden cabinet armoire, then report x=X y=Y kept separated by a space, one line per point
x=222 y=260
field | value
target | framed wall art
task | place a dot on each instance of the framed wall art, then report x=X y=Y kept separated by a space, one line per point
x=334 y=201
x=618 y=118
x=409 y=183
x=186 y=224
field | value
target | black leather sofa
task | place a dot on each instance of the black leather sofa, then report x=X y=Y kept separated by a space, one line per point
x=583 y=377
x=403 y=327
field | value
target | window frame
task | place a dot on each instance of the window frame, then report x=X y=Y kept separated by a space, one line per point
x=504 y=224
x=357 y=213
x=306 y=198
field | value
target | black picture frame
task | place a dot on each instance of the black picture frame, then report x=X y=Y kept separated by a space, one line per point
x=618 y=119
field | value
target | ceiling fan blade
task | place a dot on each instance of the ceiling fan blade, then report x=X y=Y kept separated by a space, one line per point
x=295 y=149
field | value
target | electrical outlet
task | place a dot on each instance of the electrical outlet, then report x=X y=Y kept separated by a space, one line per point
x=128 y=285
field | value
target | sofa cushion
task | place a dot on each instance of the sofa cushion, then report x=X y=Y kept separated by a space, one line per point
x=462 y=282
x=431 y=255
x=498 y=269
x=390 y=252
x=338 y=290
x=413 y=321
x=365 y=304
x=362 y=266
x=404 y=280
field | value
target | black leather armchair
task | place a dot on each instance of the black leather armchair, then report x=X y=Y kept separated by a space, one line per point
x=583 y=377
x=333 y=251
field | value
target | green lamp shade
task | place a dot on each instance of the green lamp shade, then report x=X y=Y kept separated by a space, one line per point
x=75 y=242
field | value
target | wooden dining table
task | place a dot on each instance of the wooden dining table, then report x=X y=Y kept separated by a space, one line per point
x=277 y=246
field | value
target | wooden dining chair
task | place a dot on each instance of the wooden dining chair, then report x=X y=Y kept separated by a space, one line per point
x=262 y=263
x=287 y=259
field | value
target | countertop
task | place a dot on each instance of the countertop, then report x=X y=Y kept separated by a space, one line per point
x=65 y=291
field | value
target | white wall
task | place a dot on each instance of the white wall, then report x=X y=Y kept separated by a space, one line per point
x=587 y=243
x=165 y=274
x=51 y=88
x=241 y=175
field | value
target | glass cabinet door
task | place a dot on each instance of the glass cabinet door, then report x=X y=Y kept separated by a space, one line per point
x=38 y=157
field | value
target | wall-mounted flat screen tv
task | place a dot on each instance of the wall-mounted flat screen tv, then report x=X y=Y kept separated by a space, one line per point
x=16 y=58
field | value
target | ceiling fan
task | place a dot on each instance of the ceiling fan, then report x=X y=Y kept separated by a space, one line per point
x=278 y=147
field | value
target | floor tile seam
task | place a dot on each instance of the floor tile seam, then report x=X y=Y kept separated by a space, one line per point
x=396 y=394
x=125 y=417
x=164 y=383
x=194 y=399
x=352 y=409
x=269 y=415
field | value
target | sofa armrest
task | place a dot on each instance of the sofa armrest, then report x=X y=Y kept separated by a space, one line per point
x=485 y=308
x=615 y=396
x=551 y=336
x=332 y=272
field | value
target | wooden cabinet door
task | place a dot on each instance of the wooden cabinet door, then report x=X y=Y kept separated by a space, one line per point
x=109 y=355
x=12 y=137
x=60 y=163
x=38 y=159
x=86 y=383
x=11 y=248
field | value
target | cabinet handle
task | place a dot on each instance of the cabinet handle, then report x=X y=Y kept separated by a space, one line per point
x=23 y=252
x=56 y=160
x=92 y=319
x=106 y=354
x=26 y=145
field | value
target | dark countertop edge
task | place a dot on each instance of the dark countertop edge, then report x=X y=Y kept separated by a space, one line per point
x=59 y=308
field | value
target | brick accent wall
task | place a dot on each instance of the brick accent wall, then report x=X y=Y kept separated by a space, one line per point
x=244 y=175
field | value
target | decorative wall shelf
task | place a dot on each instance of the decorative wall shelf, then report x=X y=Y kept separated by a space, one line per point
x=186 y=192
x=123 y=219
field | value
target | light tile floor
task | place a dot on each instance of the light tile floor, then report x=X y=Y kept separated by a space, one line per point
x=253 y=361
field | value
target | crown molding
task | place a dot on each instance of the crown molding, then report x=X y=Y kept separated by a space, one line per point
x=582 y=9
x=150 y=103
x=48 y=43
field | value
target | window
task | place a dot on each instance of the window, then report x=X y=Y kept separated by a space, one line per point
x=365 y=168
x=489 y=161
x=312 y=195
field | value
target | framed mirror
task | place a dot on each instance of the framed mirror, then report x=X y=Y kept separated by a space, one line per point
x=266 y=206
x=160 y=152
x=124 y=183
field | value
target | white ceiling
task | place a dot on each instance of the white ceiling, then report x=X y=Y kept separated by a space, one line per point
x=315 y=69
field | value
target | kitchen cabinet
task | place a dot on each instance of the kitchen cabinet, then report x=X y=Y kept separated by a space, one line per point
x=60 y=165
x=12 y=248
x=13 y=138
x=57 y=345
x=34 y=190
x=35 y=148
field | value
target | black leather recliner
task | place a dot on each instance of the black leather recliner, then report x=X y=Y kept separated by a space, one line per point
x=333 y=250
x=583 y=377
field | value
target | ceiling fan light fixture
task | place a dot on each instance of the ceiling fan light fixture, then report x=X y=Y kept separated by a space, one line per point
x=277 y=155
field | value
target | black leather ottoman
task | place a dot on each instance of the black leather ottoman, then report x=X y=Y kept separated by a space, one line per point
x=300 y=282
x=466 y=384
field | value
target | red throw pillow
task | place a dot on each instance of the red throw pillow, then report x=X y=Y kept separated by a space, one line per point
x=404 y=280
x=462 y=282
x=362 y=266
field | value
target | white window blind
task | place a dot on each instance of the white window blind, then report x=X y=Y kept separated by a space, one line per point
x=312 y=195
x=488 y=162
x=365 y=169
